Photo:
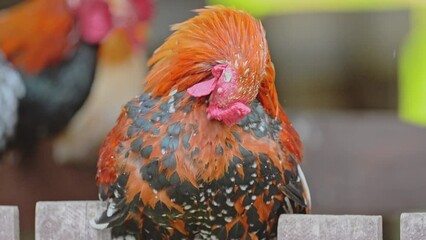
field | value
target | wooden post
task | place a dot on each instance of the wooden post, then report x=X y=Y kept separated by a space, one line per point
x=68 y=220
x=413 y=226
x=9 y=222
x=329 y=227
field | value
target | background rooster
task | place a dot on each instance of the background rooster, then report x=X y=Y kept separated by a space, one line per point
x=122 y=53
x=207 y=151
x=56 y=56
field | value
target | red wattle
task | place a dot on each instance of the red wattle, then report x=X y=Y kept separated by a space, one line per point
x=230 y=115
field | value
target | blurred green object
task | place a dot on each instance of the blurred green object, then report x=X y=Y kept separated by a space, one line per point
x=261 y=8
x=412 y=71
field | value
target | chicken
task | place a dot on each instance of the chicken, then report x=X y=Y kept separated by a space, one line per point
x=56 y=56
x=122 y=53
x=55 y=65
x=206 y=152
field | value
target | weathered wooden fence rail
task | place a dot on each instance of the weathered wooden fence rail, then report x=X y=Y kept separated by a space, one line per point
x=9 y=222
x=70 y=220
x=413 y=226
x=330 y=227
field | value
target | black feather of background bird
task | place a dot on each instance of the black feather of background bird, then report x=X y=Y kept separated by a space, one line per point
x=53 y=97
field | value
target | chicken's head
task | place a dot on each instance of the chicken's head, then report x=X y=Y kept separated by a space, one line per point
x=221 y=54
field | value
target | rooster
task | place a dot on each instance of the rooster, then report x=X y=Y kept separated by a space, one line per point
x=79 y=142
x=53 y=65
x=206 y=152
x=122 y=53
x=55 y=58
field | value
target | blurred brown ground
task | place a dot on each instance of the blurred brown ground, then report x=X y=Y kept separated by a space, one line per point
x=40 y=179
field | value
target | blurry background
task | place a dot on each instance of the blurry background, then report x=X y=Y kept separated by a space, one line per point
x=337 y=76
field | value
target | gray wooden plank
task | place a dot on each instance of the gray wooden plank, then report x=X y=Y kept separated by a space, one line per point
x=9 y=222
x=329 y=227
x=413 y=226
x=68 y=220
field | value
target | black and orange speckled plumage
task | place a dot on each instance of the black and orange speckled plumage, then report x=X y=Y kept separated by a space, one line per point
x=171 y=173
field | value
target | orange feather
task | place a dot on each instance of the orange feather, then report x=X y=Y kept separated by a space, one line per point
x=36 y=34
x=198 y=44
x=268 y=97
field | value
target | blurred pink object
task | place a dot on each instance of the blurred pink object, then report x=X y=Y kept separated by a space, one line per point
x=98 y=17
x=95 y=20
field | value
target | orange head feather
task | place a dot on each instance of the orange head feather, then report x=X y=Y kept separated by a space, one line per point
x=217 y=35
x=221 y=53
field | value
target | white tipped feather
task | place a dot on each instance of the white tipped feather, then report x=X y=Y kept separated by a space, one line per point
x=99 y=226
x=305 y=186
x=129 y=237
x=111 y=210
